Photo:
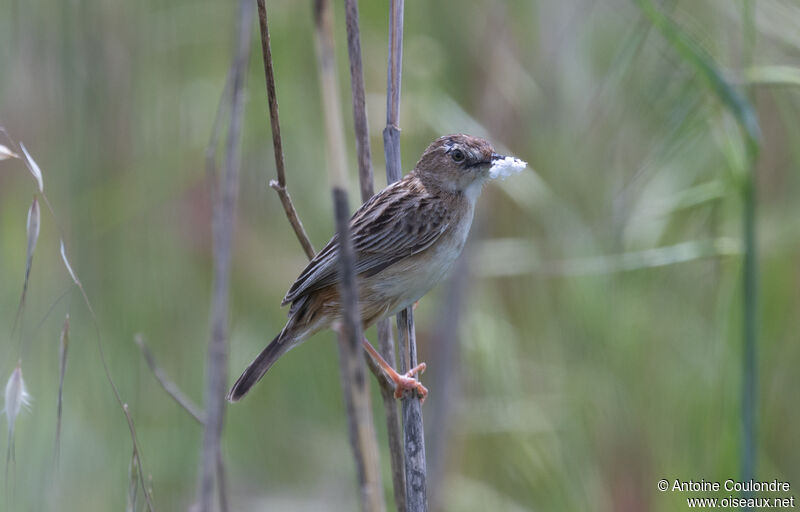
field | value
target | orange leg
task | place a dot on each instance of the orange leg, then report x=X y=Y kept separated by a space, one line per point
x=402 y=382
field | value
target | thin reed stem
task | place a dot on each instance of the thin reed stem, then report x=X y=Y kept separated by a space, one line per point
x=391 y=133
x=224 y=224
x=394 y=431
x=415 y=472
x=414 y=433
x=367 y=185
x=277 y=144
x=361 y=127
x=354 y=383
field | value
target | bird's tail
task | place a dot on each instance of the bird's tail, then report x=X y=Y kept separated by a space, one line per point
x=255 y=370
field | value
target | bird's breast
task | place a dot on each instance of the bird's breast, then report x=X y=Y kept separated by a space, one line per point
x=406 y=281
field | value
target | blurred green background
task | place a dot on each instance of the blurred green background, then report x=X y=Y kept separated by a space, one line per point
x=589 y=344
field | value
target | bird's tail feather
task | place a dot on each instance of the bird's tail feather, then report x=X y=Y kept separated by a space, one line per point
x=255 y=370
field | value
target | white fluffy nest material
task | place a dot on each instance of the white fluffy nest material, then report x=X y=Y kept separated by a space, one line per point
x=506 y=167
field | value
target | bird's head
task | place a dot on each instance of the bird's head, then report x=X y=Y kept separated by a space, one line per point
x=462 y=163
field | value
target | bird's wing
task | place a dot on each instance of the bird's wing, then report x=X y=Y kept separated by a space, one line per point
x=400 y=221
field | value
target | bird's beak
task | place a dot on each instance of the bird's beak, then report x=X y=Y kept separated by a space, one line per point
x=496 y=157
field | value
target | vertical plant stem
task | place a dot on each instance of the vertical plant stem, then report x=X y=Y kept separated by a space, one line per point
x=394 y=432
x=749 y=278
x=222 y=483
x=749 y=352
x=391 y=134
x=366 y=182
x=329 y=88
x=360 y=125
x=415 y=473
x=354 y=379
x=354 y=382
x=224 y=223
x=414 y=433
x=62 y=370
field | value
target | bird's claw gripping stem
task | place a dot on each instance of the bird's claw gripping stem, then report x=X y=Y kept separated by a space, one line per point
x=407 y=382
x=402 y=383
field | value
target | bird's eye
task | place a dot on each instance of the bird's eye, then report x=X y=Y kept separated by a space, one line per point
x=457 y=155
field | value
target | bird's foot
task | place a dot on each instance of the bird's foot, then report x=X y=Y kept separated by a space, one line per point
x=407 y=382
x=402 y=383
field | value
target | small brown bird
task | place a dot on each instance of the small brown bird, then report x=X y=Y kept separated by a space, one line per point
x=405 y=239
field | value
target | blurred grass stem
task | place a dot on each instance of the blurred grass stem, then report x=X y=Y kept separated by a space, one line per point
x=741 y=107
x=101 y=352
x=62 y=370
x=167 y=384
x=512 y=257
x=37 y=174
x=750 y=275
x=224 y=223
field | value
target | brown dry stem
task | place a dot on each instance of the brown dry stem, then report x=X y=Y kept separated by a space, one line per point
x=277 y=144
